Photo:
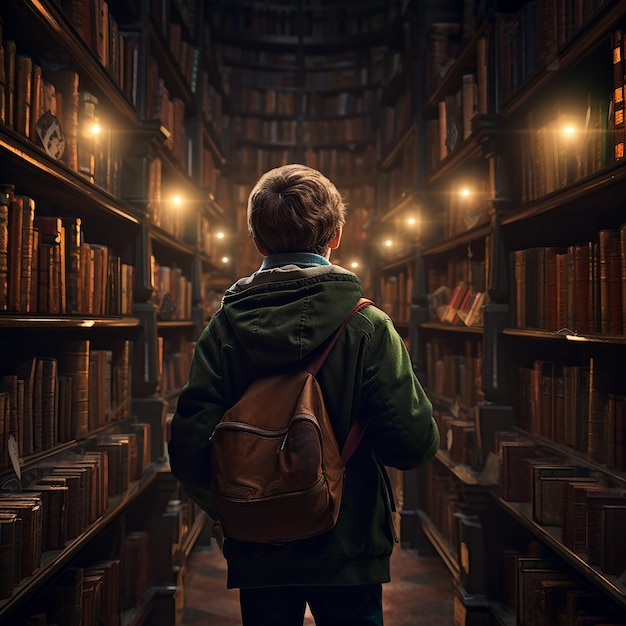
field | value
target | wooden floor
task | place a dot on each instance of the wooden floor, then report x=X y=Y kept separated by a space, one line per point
x=420 y=592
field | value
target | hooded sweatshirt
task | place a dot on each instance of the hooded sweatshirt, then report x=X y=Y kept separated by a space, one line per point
x=268 y=323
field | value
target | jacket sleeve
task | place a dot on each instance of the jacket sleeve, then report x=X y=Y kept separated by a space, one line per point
x=401 y=427
x=199 y=408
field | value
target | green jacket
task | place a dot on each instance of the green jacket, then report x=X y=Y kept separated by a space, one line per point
x=269 y=321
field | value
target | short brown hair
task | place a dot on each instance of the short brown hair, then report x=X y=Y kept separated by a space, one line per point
x=295 y=208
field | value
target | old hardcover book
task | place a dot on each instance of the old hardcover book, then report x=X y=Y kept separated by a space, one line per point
x=595 y=501
x=4 y=247
x=575 y=511
x=100 y=461
x=91 y=597
x=48 y=382
x=610 y=281
x=23 y=93
x=87 y=277
x=9 y=385
x=15 y=252
x=64 y=399
x=66 y=83
x=515 y=483
x=101 y=274
x=613 y=539
x=543 y=469
x=54 y=518
x=617 y=97
x=36 y=99
x=74 y=362
x=135 y=568
x=26 y=261
x=73 y=231
x=600 y=381
x=552 y=601
x=10 y=55
x=75 y=480
x=9 y=532
x=34 y=281
x=111 y=589
x=530 y=572
x=91 y=479
x=73 y=501
x=26 y=371
x=52 y=232
x=29 y=508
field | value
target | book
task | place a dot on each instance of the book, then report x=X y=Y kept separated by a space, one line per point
x=16 y=213
x=26 y=261
x=9 y=532
x=613 y=539
x=52 y=233
x=515 y=484
x=73 y=230
x=66 y=82
x=10 y=56
x=617 y=97
x=23 y=93
x=610 y=280
x=595 y=501
x=6 y=193
x=74 y=362
x=575 y=512
x=54 y=517
x=29 y=509
x=25 y=369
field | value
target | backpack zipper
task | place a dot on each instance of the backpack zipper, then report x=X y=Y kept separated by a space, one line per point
x=267 y=433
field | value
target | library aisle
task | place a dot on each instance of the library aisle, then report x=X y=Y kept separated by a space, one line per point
x=420 y=591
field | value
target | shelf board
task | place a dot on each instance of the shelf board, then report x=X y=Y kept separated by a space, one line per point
x=50 y=29
x=452 y=328
x=458 y=241
x=551 y=535
x=465 y=474
x=565 y=335
x=32 y=166
x=468 y=150
x=33 y=321
x=440 y=544
x=54 y=561
x=591 y=35
x=396 y=150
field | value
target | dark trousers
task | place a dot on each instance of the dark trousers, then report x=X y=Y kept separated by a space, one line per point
x=331 y=606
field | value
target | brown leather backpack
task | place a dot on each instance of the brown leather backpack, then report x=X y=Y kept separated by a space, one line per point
x=277 y=473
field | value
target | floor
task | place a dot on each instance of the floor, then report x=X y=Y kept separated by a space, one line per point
x=420 y=591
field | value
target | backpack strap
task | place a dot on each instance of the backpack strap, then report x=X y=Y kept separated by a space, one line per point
x=314 y=367
x=357 y=430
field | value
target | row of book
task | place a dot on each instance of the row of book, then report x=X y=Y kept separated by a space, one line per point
x=115 y=48
x=581 y=406
x=172 y=291
x=454 y=371
x=527 y=581
x=465 y=306
x=46 y=105
x=540 y=591
x=589 y=511
x=62 y=396
x=579 y=287
x=176 y=362
x=46 y=266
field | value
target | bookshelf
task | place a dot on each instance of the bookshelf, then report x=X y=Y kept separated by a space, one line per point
x=302 y=81
x=540 y=236
x=105 y=284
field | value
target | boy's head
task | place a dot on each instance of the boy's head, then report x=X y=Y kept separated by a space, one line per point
x=294 y=208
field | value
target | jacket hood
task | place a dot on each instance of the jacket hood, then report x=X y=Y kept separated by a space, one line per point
x=280 y=315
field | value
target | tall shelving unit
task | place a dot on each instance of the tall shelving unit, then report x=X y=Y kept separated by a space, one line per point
x=93 y=341
x=303 y=82
x=543 y=145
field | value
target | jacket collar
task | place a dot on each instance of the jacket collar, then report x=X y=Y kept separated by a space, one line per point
x=301 y=259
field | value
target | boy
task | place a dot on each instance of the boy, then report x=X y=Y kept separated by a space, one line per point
x=272 y=320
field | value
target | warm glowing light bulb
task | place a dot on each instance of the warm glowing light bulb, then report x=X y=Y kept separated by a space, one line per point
x=225 y=259
x=177 y=200
x=354 y=264
x=412 y=221
x=465 y=192
x=94 y=128
x=220 y=235
x=388 y=243
x=569 y=131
